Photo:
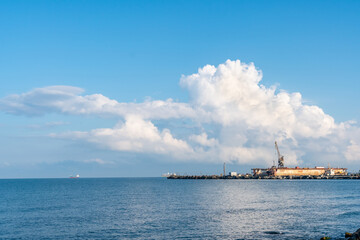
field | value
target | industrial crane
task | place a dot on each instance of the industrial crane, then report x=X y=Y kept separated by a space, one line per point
x=280 y=157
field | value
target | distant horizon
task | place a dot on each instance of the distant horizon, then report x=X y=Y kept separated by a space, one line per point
x=350 y=171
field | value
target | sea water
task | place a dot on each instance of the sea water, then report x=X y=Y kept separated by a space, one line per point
x=158 y=208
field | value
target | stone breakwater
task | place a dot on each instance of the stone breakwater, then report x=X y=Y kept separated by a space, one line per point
x=249 y=176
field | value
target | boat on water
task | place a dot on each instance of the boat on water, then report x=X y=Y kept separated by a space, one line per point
x=77 y=176
x=168 y=174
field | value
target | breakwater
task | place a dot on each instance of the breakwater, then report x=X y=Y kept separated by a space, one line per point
x=357 y=176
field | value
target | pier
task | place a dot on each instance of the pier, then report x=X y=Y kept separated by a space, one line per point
x=249 y=176
x=278 y=172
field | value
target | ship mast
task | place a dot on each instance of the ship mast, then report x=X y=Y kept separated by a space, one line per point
x=280 y=157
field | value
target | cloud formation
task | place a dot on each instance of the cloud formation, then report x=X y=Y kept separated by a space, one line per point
x=237 y=120
x=67 y=100
x=135 y=135
x=98 y=161
x=232 y=93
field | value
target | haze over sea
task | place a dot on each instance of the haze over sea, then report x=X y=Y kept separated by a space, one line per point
x=158 y=208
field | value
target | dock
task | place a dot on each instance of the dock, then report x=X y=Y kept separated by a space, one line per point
x=249 y=176
x=278 y=172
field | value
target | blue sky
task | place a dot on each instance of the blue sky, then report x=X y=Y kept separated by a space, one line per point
x=137 y=51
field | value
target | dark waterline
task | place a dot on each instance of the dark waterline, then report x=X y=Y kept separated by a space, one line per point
x=157 y=208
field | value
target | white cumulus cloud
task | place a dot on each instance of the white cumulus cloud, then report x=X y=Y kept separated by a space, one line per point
x=353 y=151
x=236 y=119
x=232 y=93
x=203 y=140
x=135 y=135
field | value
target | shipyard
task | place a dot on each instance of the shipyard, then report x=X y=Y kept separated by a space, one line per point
x=278 y=172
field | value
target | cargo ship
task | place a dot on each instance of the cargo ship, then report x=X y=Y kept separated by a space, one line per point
x=282 y=171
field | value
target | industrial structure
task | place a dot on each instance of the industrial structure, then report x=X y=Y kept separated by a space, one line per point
x=277 y=172
x=282 y=171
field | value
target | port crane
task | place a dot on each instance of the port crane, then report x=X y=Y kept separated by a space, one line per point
x=280 y=157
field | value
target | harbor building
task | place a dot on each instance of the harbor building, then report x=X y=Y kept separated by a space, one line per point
x=282 y=171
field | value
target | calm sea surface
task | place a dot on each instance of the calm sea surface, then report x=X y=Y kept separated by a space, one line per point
x=157 y=208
